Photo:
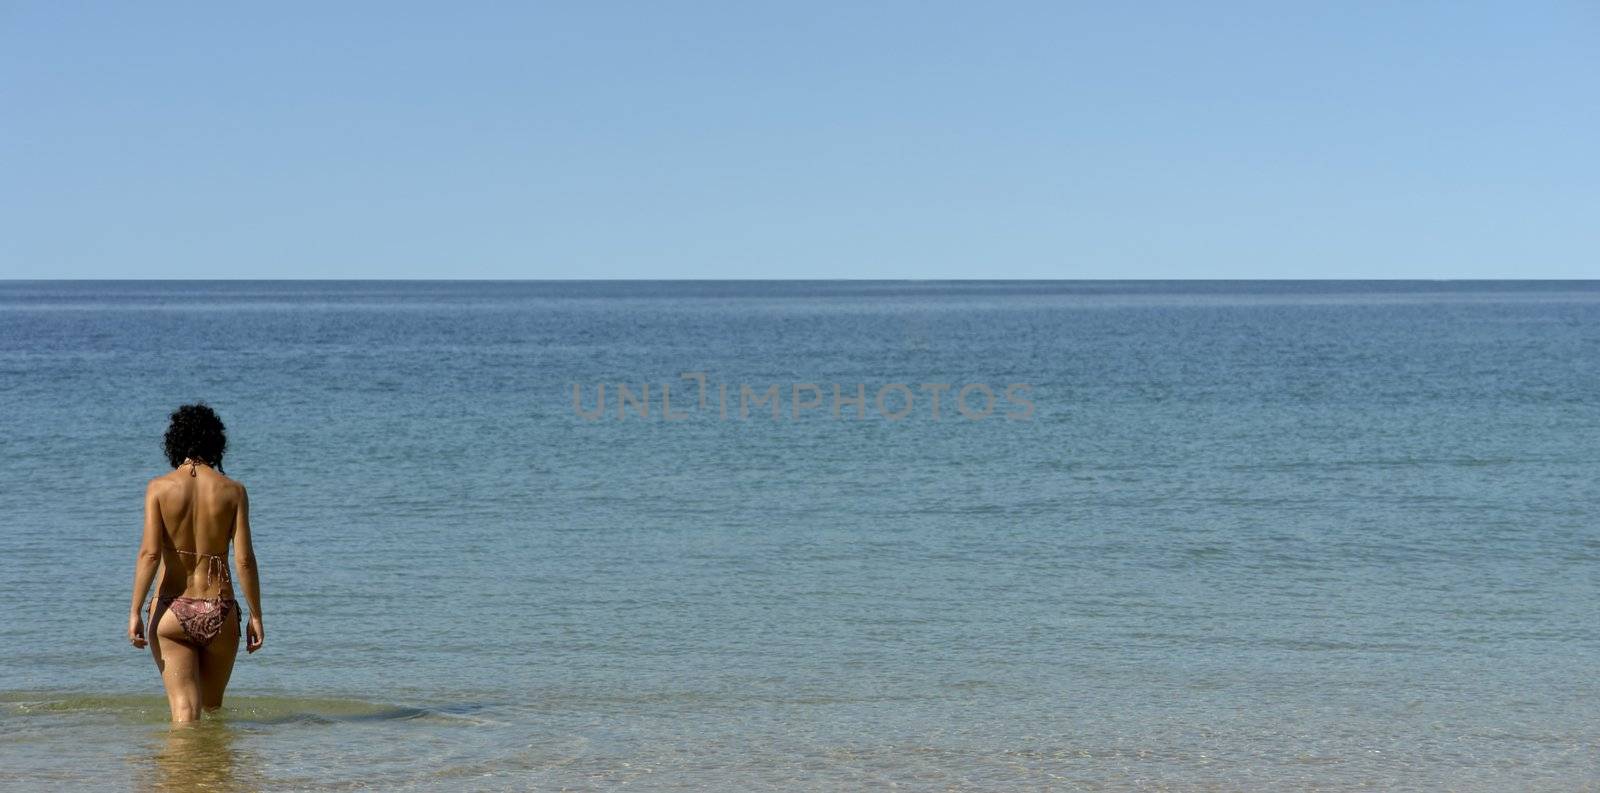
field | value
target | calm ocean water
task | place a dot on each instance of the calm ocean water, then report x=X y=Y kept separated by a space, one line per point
x=1255 y=536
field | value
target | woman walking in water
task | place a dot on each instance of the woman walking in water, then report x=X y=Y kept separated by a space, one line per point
x=190 y=516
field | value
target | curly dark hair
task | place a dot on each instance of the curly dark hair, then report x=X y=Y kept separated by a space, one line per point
x=196 y=433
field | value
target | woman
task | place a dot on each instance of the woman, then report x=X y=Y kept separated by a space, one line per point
x=190 y=515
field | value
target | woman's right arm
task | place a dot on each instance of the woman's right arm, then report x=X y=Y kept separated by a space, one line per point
x=244 y=557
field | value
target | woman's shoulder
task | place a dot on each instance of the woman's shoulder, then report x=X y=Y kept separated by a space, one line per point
x=227 y=484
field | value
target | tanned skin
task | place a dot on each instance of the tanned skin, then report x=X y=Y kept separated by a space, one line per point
x=198 y=513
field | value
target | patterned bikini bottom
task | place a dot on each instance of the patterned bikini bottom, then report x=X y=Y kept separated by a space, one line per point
x=202 y=618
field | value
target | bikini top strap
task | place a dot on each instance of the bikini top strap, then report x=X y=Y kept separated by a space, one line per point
x=215 y=564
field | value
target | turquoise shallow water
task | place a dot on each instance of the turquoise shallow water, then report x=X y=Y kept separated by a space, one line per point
x=1254 y=536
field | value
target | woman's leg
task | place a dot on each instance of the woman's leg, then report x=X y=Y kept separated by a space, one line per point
x=179 y=663
x=216 y=664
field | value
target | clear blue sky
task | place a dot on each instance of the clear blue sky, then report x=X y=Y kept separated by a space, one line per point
x=767 y=140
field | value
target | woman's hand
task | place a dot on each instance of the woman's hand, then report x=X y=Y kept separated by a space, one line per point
x=136 y=630
x=254 y=634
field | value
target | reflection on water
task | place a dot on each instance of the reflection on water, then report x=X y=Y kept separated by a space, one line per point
x=201 y=756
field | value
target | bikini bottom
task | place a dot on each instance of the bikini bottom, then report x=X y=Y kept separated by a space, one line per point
x=201 y=618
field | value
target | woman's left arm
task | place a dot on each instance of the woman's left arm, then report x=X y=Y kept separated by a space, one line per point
x=145 y=565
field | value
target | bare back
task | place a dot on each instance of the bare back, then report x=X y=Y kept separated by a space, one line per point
x=199 y=509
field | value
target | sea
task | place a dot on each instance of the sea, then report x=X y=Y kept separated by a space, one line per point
x=589 y=535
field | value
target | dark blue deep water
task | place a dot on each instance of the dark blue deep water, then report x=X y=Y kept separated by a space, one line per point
x=1252 y=536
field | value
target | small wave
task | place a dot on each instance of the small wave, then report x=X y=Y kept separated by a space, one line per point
x=239 y=709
